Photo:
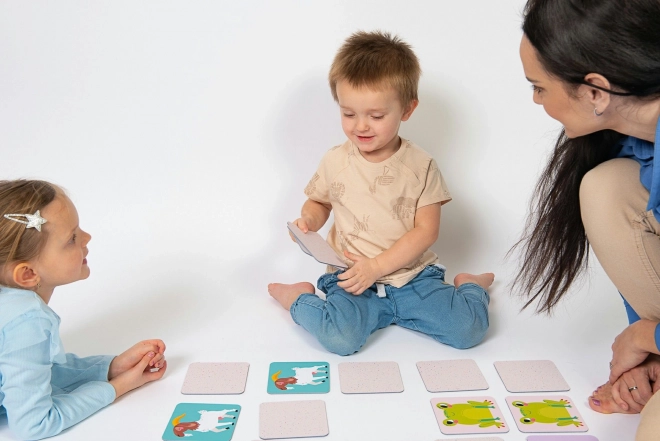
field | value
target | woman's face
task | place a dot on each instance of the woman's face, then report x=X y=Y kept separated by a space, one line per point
x=576 y=113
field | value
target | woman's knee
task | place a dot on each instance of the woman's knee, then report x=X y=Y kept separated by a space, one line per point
x=612 y=185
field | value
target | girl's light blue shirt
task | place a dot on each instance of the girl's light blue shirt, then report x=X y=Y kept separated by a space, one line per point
x=44 y=390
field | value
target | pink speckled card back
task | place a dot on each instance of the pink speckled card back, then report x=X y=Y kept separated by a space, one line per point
x=531 y=376
x=451 y=375
x=293 y=419
x=370 y=377
x=215 y=378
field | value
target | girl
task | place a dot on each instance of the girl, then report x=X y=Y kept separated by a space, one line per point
x=594 y=66
x=44 y=390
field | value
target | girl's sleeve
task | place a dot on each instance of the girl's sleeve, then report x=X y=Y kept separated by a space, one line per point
x=34 y=410
x=79 y=370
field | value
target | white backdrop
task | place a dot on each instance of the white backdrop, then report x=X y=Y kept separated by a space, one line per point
x=185 y=133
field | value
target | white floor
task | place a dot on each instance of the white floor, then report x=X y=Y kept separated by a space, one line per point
x=185 y=133
x=201 y=324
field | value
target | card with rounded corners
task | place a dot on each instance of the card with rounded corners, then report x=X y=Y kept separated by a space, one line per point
x=202 y=421
x=299 y=377
x=561 y=438
x=451 y=375
x=545 y=413
x=215 y=378
x=316 y=246
x=531 y=376
x=370 y=377
x=459 y=415
x=293 y=419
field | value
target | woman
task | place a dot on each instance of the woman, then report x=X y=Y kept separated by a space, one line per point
x=594 y=65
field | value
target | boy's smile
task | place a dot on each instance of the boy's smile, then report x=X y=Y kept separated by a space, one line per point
x=371 y=118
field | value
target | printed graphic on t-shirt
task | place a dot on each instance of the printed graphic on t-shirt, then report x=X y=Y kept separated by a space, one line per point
x=311 y=187
x=403 y=208
x=337 y=190
x=384 y=179
x=359 y=226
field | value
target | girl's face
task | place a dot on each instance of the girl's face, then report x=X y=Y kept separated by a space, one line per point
x=62 y=260
x=575 y=113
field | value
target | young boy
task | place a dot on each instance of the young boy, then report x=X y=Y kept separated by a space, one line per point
x=386 y=195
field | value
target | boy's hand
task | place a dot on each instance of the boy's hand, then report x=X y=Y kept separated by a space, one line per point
x=361 y=275
x=138 y=375
x=301 y=223
x=134 y=355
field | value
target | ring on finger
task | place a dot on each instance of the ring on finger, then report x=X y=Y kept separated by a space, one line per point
x=630 y=389
x=611 y=365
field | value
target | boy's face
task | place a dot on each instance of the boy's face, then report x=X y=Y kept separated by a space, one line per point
x=371 y=119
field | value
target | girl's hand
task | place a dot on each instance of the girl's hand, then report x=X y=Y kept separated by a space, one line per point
x=631 y=347
x=134 y=355
x=644 y=379
x=361 y=275
x=138 y=375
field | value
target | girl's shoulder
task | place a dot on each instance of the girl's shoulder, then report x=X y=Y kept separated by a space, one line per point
x=16 y=303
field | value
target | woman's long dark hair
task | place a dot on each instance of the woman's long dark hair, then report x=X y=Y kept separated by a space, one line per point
x=619 y=39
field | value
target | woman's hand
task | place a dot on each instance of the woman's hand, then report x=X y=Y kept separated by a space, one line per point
x=134 y=355
x=359 y=277
x=632 y=347
x=642 y=380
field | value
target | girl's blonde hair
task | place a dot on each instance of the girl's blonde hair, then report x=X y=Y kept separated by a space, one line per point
x=18 y=243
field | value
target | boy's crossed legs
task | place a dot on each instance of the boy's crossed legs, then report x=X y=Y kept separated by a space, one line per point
x=457 y=316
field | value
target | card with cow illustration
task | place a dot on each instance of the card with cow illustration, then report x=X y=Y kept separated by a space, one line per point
x=462 y=415
x=202 y=421
x=299 y=377
x=544 y=413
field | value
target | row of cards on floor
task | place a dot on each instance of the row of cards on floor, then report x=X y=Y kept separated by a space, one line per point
x=455 y=415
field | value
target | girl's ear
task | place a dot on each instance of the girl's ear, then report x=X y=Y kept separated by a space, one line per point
x=410 y=108
x=24 y=276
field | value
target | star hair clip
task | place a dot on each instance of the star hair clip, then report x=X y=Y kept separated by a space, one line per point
x=33 y=220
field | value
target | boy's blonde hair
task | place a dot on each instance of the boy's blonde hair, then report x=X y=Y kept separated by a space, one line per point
x=18 y=243
x=377 y=59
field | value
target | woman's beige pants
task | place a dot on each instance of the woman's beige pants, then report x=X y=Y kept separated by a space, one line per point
x=626 y=240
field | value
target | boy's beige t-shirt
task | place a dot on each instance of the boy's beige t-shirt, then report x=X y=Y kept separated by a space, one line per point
x=374 y=204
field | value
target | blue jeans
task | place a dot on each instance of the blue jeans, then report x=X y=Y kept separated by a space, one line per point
x=342 y=323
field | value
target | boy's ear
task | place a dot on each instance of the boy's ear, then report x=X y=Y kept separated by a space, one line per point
x=24 y=276
x=410 y=108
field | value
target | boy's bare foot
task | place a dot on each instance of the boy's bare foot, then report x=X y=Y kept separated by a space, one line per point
x=602 y=401
x=287 y=294
x=483 y=280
